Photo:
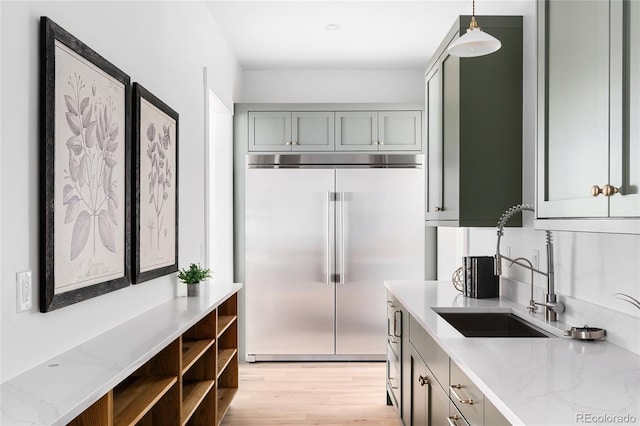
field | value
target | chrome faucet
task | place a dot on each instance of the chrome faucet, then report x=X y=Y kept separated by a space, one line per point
x=551 y=304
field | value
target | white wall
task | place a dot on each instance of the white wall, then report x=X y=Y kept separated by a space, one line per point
x=162 y=45
x=333 y=86
x=590 y=268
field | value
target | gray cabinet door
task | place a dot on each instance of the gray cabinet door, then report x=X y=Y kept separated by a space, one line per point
x=270 y=131
x=573 y=149
x=399 y=130
x=356 y=131
x=450 y=138
x=312 y=131
x=625 y=157
x=419 y=390
x=433 y=96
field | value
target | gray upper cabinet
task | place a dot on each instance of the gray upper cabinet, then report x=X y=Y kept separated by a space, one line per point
x=378 y=130
x=588 y=138
x=474 y=129
x=291 y=131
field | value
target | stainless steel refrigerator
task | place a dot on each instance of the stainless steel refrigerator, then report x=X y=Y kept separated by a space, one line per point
x=323 y=232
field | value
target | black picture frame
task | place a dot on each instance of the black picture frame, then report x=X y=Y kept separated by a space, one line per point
x=155 y=177
x=85 y=169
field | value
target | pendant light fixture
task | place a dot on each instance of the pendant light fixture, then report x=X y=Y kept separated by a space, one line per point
x=474 y=42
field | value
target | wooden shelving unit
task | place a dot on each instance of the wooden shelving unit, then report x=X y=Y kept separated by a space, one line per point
x=191 y=381
x=227 y=356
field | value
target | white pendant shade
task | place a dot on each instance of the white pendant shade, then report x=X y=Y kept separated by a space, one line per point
x=474 y=43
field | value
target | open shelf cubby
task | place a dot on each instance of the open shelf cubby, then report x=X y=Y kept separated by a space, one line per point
x=191 y=381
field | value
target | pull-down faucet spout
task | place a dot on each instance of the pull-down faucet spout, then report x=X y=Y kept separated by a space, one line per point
x=552 y=306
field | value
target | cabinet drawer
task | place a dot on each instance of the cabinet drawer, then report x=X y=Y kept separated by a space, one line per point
x=393 y=381
x=466 y=396
x=394 y=326
x=437 y=360
x=455 y=416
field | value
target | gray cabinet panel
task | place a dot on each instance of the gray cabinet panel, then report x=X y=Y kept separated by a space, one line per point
x=270 y=131
x=625 y=158
x=399 y=130
x=356 y=131
x=312 y=131
x=433 y=87
x=588 y=110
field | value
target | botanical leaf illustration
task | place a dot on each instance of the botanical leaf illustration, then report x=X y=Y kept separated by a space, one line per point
x=67 y=194
x=80 y=233
x=90 y=135
x=159 y=176
x=72 y=209
x=107 y=231
x=111 y=208
x=70 y=107
x=89 y=193
x=74 y=123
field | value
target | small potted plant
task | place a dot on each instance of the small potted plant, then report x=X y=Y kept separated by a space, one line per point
x=192 y=277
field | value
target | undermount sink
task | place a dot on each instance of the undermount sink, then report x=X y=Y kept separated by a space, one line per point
x=490 y=324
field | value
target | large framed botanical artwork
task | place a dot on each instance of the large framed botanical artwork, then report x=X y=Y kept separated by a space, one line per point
x=85 y=168
x=155 y=159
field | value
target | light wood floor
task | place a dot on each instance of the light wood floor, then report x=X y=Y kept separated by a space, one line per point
x=311 y=394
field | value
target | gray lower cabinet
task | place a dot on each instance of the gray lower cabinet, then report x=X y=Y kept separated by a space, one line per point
x=433 y=390
x=378 y=130
x=588 y=110
x=473 y=110
x=283 y=131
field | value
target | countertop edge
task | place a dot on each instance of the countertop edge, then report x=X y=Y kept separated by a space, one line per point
x=194 y=309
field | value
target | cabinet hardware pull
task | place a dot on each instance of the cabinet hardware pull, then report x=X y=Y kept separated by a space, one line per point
x=395 y=324
x=423 y=380
x=390 y=303
x=606 y=190
x=452 y=419
x=462 y=401
x=392 y=379
x=289 y=143
x=439 y=209
x=609 y=190
x=380 y=142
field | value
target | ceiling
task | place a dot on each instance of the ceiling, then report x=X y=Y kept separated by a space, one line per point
x=267 y=35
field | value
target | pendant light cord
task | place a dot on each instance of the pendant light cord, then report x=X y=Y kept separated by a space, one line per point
x=473 y=10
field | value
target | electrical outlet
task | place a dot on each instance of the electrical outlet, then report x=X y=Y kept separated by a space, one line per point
x=535 y=258
x=23 y=290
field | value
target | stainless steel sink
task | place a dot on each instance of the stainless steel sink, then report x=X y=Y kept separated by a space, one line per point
x=490 y=324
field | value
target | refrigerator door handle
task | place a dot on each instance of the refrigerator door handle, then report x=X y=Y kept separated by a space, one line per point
x=342 y=273
x=331 y=232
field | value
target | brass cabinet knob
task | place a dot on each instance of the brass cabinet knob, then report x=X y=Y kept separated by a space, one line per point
x=609 y=190
x=423 y=380
x=439 y=209
x=289 y=143
x=380 y=142
x=606 y=190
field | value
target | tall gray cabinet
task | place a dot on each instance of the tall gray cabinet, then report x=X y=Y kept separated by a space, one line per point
x=588 y=110
x=474 y=128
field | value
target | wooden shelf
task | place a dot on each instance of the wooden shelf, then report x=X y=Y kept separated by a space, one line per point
x=193 y=393
x=225 y=396
x=192 y=350
x=224 y=321
x=137 y=396
x=224 y=357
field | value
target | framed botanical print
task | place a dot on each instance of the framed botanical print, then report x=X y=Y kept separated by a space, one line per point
x=155 y=159
x=85 y=168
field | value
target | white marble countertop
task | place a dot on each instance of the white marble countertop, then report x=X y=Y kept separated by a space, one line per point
x=532 y=381
x=55 y=392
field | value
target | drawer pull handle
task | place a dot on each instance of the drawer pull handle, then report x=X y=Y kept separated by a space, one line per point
x=423 y=380
x=462 y=401
x=452 y=420
x=395 y=323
